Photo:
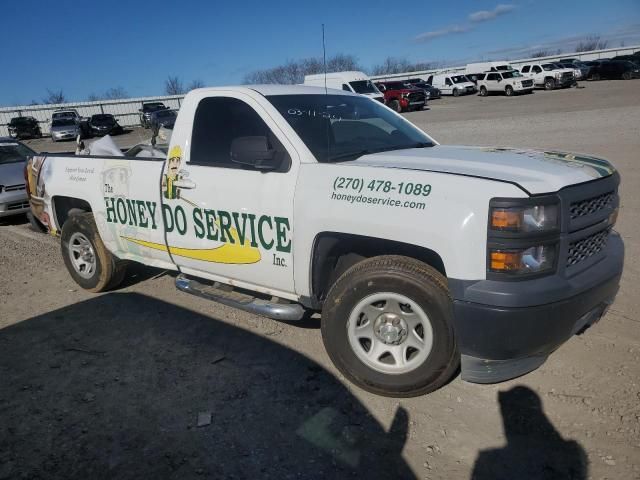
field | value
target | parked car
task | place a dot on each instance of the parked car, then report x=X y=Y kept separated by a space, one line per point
x=146 y=111
x=65 y=129
x=13 y=190
x=104 y=124
x=400 y=96
x=163 y=119
x=71 y=114
x=548 y=75
x=509 y=82
x=24 y=127
x=615 y=70
x=356 y=82
x=430 y=91
x=578 y=73
x=450 y=84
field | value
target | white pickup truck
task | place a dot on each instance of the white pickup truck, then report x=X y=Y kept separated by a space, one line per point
x=421 y=257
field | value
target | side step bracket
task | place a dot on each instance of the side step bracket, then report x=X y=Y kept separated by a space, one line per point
x=220 y=293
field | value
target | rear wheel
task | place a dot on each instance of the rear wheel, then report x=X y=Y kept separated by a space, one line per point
x=549 y=84
x=508 y=91
x=483 y=91
x=88 y=261
x=387 y=324
x=595 y=76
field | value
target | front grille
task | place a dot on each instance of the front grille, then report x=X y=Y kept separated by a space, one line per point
x=591 y=205
x=527 y=83
x=18 y=206
x=416 y=97
x=587 y=247
x=14 y=188
x=567 y=75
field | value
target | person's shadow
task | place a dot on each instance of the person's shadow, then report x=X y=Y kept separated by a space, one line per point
x=128 y=386
x=535 y=449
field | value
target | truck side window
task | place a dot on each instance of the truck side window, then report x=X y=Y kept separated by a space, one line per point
x=447 y=82
x=492 y=76
x=536 y=69
x=346 y=87
x=525 y=69
x=220 y=120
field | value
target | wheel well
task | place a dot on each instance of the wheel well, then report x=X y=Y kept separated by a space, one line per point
x=334 y=253
x=64 y=207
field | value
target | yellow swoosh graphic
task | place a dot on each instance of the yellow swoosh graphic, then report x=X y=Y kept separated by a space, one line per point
x=230 y=253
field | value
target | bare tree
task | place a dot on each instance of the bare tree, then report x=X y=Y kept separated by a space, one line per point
x=92 y=97
x=195 y=84
x=173 y=86
x=541 y=53
x=592 y=42
x=54 y=97
x=400 y=65
x=116 y=93
x=294 y=71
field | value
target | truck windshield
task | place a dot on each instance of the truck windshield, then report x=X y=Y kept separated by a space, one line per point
x=363 y=86
x=459 y=79
x=62 y=122
x=343 y=127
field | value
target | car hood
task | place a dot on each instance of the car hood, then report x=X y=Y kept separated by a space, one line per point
x=12 y=173
x=534 y=171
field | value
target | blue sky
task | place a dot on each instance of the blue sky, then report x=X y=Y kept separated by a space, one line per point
x=88 y=47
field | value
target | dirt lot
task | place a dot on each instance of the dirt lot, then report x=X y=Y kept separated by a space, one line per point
x=114 y=385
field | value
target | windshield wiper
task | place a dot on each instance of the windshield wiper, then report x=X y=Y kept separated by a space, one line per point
x=370 y=151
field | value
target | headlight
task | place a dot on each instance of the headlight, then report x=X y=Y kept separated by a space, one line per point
x=525 y=219
x=532 y=260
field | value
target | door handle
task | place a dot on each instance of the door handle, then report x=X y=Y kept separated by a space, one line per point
x=184 y=183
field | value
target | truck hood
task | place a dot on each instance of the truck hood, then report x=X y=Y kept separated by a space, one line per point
x=534 y=171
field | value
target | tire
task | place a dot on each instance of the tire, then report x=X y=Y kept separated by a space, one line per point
x=508 y=91
x=395 y=106
x=626 y=76
x=389 y=282
x=102 y=270
x=483 y=91
x=595 y=77
x=456 y=92
x=549 y=84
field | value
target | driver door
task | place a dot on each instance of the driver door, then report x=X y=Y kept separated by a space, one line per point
x=228 y=221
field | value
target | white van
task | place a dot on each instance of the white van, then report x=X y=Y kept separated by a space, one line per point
x=357 y=82
x=455 y=84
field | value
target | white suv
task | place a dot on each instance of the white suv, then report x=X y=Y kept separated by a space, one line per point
x=509 y=83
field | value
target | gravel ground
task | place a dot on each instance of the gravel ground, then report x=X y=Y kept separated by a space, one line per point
x=115 y=385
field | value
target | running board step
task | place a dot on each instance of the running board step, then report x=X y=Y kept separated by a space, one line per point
x=222 y=294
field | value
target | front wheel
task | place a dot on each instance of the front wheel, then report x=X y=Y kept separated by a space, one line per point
x=395 y=105
x=88 y=261
x=483 y=91
x=549 y=84
x=456 y=92
x=508 y=91
x=626 y=76
x=387 y=325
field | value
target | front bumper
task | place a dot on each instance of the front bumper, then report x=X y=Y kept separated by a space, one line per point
x=13 y=203
x=512 y=334
x=64 y=136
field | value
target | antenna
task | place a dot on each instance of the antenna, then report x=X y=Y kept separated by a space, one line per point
x=324 y=60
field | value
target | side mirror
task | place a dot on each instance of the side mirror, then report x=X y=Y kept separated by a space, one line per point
x=254 y=151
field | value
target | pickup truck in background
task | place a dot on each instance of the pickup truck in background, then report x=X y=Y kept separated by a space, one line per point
x=548 y=75
x=402 y=97
x=421 y=258
x=147 y=110
x=510 y=82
